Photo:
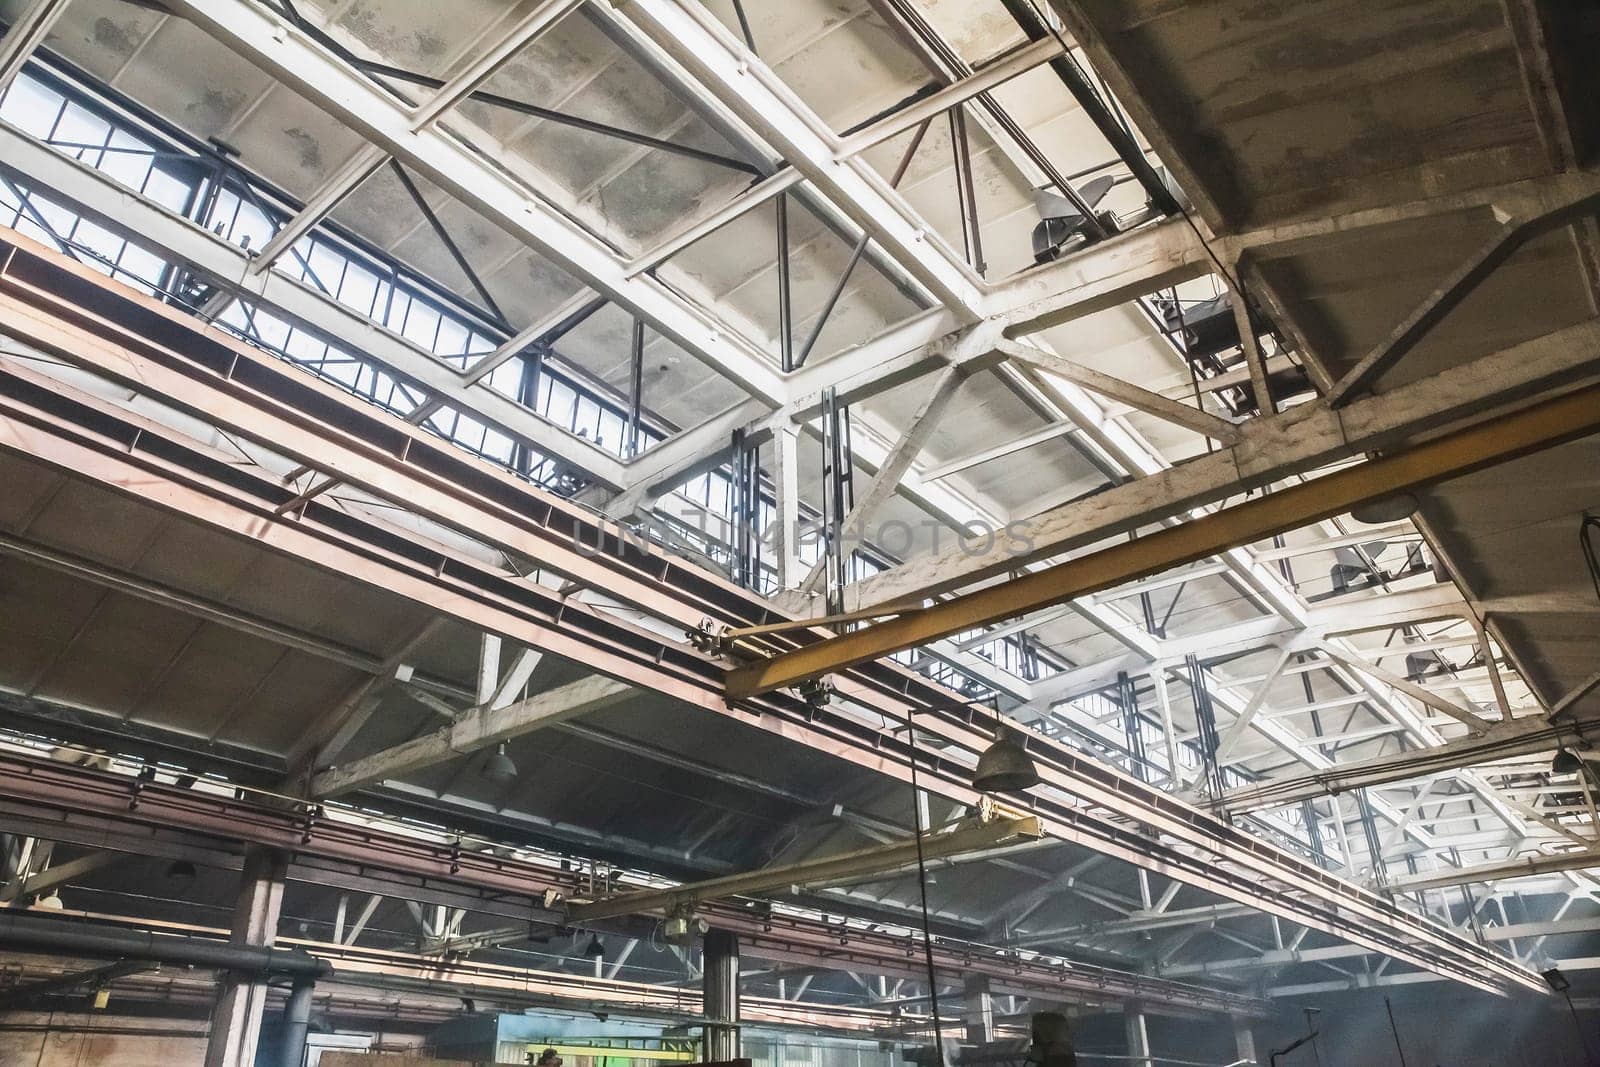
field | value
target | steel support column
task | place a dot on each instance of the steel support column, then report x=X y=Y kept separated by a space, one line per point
x=785 y=301
x=1134 y=1025
x=1244 y=1041
x=236 y=1015
x=978 y=1009
x=635 y=387
x=786 y=490
x=1206 y=721
x=835 y=503
x=720 y=975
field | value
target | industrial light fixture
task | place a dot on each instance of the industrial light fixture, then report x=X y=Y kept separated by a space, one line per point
x=499 y=768
x=1061 y=220
x=1385 y=509
x=1558 y=983
x=50 y=903
x=182 y=872
x=1349 y=571
x=1419 y=666
x=1566 y=762
x=1005 y=766
x=594 y=949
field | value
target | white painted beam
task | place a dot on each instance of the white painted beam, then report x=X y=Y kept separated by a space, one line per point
x=740 y=82
x=476 y=729
x=488 y=60
x=181 y=240
x=1296 y=441
x=1019 y=62
x=896 y=463
x=1114 y=388
x=268 y=41
x=28 y=30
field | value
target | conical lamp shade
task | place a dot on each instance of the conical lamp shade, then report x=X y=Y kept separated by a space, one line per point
x=1565 y=762
x=499 y=768
x=1004 y=767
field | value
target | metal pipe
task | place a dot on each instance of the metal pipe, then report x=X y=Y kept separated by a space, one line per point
x=31 y=933
x=296 y=1021
x=720 y=978
x=97 y=978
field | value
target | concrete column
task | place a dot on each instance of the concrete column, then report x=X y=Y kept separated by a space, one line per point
x=1244 y=1040
x=236 y=1016
x=786 y=479
x=1051 y=1033
x=1138 y=1036
x=719 y=973
x=978 y=1009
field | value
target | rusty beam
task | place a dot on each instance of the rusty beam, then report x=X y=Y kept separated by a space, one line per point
x=1540 y=426
x=123 y=813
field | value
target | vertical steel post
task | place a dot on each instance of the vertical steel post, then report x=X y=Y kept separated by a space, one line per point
x=745 y=482
x=528 y=397
x=835 y=458
x=785 y=305
x=752 y=460
x=719 y=973
x=978 y=1009
x=636 y=387
x=1134 y=1025
x=1206 y=724
x=738 y=543
x=1369 y=830
x=1308 y=814
x=1151 y=627
x=241 y=1000
x=786 y=480
x=1169 y=732
x=1133 y=725
x=1244 y=1040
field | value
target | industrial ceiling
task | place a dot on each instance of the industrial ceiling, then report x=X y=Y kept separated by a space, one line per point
x=643 y=246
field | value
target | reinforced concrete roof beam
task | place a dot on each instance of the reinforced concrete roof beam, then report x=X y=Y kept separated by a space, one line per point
x=272 y=43
x=155 y=228
x=752 y=91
